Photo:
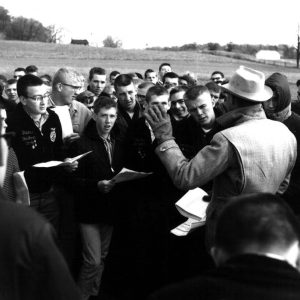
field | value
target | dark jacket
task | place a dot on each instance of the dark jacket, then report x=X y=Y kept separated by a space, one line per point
x=245 y=277
x=33 y=146
x=279 y=84
x=8 y=105
x=292 y=194
x=124 y=121
x=190 y=137
x=91 y=205
x=31 y=265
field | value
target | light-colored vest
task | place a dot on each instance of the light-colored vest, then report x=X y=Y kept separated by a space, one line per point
x=266 y=152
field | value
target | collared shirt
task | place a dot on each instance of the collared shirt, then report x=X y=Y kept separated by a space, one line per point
x=39 y=123
x=151 y=131
x=108 y=146
x=80 y=115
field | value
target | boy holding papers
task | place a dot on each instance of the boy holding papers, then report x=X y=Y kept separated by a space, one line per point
x=38 y=138
x=95 y=192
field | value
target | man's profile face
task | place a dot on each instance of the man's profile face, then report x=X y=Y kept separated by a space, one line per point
x=97 y=84
x=214 y=97
x=69 y=89
x=141 y=96
x=112 y=78
x=271 y=105
x=11 y=92
x=178 y=108
x=126 y=96
x=152 y=77
x=201 y=109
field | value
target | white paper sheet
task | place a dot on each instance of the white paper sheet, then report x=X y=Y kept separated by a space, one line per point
x=55 y=163
x=127 y=175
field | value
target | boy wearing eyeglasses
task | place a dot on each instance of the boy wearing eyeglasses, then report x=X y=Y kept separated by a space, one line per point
x=38 y=138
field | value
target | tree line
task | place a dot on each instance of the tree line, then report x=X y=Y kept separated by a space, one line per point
x=24 y=29
x=285 y=50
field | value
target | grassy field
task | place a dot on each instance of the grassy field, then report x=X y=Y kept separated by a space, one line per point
x=50 y=57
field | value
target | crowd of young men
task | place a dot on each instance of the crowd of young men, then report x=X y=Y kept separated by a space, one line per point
x=231 y=138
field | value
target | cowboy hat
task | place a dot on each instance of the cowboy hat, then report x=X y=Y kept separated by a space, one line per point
x=249 y=84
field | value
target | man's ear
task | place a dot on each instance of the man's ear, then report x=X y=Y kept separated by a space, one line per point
x=23 y=100
x=59 y=87
x=169 y=105
x=219 y=256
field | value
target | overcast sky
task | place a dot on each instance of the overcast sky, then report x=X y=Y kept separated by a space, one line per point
x=140 y=23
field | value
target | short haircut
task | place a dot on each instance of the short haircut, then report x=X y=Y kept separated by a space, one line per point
x=3 y=78
x=148 y=71
x=96 y=70
x=145 y=84
x=11 y=81
x=31 y=69
x=122 y=80
x=62 y=73
x=3 y=81
x=20 y=70
x=298 y=82
x=25 y=81
x=48 y=78
x=139 y=75
x=190 y=80
x=104 y=101
x=217 y=72
x=195 y=91
x=132 y=75
x=178 y=89
x=212 y=86
x=170 y=75
x=164 y=64
x=263 y=220
x=156 y=90
x=114 y=73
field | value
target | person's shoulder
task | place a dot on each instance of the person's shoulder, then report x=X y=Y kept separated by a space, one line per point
x=200 y=288
x=295 y=117
x=81 y=107
x=52 y=116
x=20 y=217
x=17 y=116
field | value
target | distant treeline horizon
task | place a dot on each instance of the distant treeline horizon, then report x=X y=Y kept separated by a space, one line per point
x=284 y=50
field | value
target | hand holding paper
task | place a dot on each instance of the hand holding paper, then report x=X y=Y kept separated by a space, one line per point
x=71 y=165
x=192 y=206
x=105 y=186
x=127 y=175
x=55 y=163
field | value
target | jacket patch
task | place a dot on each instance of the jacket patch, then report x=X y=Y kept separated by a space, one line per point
x=52 y=134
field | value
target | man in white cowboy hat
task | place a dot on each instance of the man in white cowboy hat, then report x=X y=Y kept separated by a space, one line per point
x=251 y=154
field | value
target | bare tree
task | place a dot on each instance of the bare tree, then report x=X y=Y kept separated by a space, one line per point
x=55 y=34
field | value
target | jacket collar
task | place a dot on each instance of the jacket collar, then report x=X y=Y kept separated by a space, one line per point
x=92 y=133
x=241 y=115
